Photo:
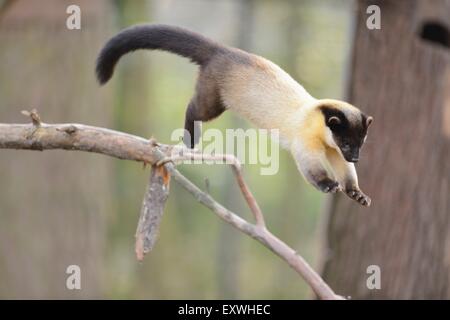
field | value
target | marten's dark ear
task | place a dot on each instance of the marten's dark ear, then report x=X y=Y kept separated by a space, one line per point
x=333 y=121
x=369 y=121
x=334 y=118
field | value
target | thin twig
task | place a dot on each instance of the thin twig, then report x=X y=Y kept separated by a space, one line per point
x=237 y=170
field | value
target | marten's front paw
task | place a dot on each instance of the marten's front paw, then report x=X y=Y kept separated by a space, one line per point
x=358 y=196
x=329 y=186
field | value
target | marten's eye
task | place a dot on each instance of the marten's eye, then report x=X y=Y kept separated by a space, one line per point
x=336 y=124
x=346 y=146
x=334 y=121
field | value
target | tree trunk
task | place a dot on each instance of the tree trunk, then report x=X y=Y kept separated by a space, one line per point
x=401 y=76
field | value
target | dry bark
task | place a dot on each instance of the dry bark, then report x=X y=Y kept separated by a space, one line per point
x=152 y=210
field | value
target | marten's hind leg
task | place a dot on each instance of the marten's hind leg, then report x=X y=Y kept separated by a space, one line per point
x=195 y=114
x=192 y=128
x=204 y=106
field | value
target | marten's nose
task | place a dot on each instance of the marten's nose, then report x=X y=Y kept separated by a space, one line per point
x=354 y=155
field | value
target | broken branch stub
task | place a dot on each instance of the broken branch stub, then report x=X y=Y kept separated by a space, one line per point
x=152 y=210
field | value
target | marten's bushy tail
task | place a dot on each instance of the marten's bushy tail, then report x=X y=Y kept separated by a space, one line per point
x=163 y=37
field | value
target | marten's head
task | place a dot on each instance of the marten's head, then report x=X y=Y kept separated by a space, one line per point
x=346 y=127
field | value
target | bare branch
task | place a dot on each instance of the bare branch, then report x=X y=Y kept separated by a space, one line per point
x=42 y=136
x=77 y=137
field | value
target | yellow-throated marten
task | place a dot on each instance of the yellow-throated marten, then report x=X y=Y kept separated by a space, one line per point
x=316 y=131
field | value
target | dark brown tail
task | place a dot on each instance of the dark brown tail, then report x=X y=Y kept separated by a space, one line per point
x=161 y=37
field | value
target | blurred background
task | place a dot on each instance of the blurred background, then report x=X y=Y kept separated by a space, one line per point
x=59 y=208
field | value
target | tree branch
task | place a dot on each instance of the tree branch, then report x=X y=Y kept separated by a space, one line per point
x=41 y=136
x=152 y=210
